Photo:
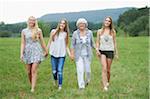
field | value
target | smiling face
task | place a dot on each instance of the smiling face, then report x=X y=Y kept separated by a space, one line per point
x=107 y=22
x=31 y=21
x=62 y=25
x=82 y=26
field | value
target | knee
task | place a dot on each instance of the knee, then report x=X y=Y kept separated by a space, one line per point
x=34 y=71
x=60 y=72
x=104 y=69
x=108 y=71
x=29 y=72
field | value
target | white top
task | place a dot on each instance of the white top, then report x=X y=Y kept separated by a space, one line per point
x=84 y=46
x=83 y=39
x=58 y=46
x=106 y=42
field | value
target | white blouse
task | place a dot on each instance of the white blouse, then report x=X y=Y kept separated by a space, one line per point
x=84 y=47
x=58 y=46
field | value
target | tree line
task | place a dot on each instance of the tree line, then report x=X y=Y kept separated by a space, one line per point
x=13 y=30
x=134 y=22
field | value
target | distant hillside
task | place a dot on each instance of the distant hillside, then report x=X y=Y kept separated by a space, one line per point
x=95 y=16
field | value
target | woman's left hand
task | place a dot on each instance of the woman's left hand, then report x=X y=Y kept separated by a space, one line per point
x=116 y=56
x=45 y=54
x=21 y=57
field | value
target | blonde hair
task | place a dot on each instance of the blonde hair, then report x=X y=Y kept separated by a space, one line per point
x=66 y=29
x=112 y=30
x=35 y=29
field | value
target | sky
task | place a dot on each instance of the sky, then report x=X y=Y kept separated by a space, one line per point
x=13 y=11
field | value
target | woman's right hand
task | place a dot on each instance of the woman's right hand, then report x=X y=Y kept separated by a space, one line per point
x=45 y=53
x=72 y=56
x=98 y=53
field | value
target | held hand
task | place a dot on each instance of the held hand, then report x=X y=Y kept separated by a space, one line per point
x=46 y=54
x=72 y=57
x=116 y=56
x=21 y=58
x=98 y=53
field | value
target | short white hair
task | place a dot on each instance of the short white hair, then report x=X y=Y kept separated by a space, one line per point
x=81 y=20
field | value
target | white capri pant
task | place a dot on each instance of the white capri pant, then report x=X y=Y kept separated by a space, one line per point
x=83 y=65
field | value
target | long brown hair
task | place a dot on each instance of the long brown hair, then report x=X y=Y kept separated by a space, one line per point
x=66 y=29
x=112 y=30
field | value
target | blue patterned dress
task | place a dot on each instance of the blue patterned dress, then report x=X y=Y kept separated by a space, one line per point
x=33 y=52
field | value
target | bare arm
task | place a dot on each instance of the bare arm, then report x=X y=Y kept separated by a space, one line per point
x=98 y=42
x=50 y=39
x=115 y=44
x=43 y=43
x=68 y=50
x=22 y=45
x=73 y=42
x=72 y=53
x=92 y=41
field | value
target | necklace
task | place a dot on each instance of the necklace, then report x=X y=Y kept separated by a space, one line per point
x=106 y=38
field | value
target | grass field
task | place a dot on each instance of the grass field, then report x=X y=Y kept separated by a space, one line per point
x=129 y=75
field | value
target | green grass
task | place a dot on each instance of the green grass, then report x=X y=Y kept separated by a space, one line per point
x=129 y=75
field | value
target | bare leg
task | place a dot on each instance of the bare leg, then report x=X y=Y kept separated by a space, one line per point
x=109 y=62
x=34 y=75
x=29 y=67
x=104 y=70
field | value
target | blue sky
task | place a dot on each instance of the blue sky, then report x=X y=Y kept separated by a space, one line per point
x=12 y=11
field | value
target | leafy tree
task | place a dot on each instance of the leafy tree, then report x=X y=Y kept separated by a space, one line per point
x=45 y=27
x=135 y=21
x=5 y=34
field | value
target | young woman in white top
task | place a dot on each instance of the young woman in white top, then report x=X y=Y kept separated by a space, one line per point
x=106 y=48
x=32 y=47
x=58 y=46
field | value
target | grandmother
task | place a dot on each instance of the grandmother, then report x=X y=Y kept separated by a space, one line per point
x=81 y=50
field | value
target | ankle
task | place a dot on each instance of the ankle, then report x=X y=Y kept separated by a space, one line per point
x=32 y=90
x=59 y=87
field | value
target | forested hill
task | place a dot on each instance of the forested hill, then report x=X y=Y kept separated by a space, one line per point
x=95 y=16
x=127 y=21
x=135 y=21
